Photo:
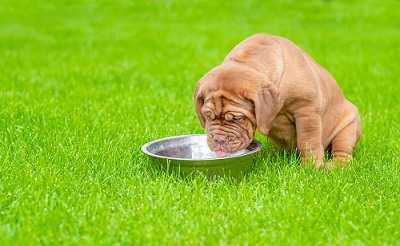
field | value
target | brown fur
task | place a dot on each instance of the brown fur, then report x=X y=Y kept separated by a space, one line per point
x=269 y=83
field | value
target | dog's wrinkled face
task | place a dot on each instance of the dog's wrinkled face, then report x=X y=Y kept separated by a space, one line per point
x=229 y=122
x=227 y=102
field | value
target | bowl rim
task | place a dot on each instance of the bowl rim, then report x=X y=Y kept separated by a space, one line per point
x=145 y=146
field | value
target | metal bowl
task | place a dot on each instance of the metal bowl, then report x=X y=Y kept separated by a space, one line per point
x=190 y=155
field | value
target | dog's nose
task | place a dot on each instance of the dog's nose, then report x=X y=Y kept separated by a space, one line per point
x=218 y=138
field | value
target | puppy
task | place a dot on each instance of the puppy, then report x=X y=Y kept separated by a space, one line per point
x=269 y=83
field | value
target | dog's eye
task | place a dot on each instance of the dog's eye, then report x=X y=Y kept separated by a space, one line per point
x=239 y=118
x=234 y=117
x=208 y=115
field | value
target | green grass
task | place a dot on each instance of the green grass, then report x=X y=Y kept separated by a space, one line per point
x=84 y=84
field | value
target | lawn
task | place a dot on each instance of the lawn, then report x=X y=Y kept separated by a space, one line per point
x=84 y=84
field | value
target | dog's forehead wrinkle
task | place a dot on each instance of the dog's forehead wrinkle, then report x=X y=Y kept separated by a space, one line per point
x=209 y=94
x=220 y=102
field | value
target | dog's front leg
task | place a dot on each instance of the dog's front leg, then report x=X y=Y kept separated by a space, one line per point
x=309 y=138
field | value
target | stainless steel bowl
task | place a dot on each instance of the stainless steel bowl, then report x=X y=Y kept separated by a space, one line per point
x=189 y=155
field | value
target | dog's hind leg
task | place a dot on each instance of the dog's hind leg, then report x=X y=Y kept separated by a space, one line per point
x=344 y=142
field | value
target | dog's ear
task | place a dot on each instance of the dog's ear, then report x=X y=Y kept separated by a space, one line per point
x=266 y=102
x=199 y=102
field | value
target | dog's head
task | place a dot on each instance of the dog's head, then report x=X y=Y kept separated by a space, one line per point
x=231 y=102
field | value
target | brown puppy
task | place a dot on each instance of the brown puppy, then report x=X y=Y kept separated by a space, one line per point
x=269 y=83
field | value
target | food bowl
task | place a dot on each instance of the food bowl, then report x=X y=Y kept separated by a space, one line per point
x=190 y=155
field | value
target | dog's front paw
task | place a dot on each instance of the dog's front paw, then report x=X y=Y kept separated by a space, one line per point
x=324 y=165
